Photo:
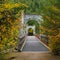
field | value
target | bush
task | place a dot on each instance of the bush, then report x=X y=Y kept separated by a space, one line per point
x=55 y=44
x=9 y=25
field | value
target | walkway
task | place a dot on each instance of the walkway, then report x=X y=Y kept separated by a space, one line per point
x=32 y=56
x=34 y=44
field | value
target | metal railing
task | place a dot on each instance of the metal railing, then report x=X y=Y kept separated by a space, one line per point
x=21 y=41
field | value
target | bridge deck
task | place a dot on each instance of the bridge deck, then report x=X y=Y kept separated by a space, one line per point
x=34 y=44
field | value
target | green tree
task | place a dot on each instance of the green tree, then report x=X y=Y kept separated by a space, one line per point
x=9 y=25
x=51 y=24
x=34 y=22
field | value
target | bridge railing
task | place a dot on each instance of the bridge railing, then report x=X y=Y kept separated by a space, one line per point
x=43 y=38
x=20 y=44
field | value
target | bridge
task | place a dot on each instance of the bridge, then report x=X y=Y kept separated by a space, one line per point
x=30 y=43
x=34 y=44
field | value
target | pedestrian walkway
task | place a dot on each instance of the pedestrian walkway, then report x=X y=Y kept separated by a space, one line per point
x=34 y=44
x=32 y=56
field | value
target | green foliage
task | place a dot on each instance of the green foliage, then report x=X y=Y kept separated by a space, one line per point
x=30 y=30
x=35 y=7
x=9 y=24
x=55 y=44
x=51 y=24
x=34 y=22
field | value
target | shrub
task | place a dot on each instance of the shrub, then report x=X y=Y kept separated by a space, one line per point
x=55 y=44
x=9 y=24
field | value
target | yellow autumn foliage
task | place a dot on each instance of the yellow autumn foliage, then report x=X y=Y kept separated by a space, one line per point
x=9 y=25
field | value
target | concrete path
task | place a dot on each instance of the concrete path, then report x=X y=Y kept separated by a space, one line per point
x=34 y=44
x=32 y=56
